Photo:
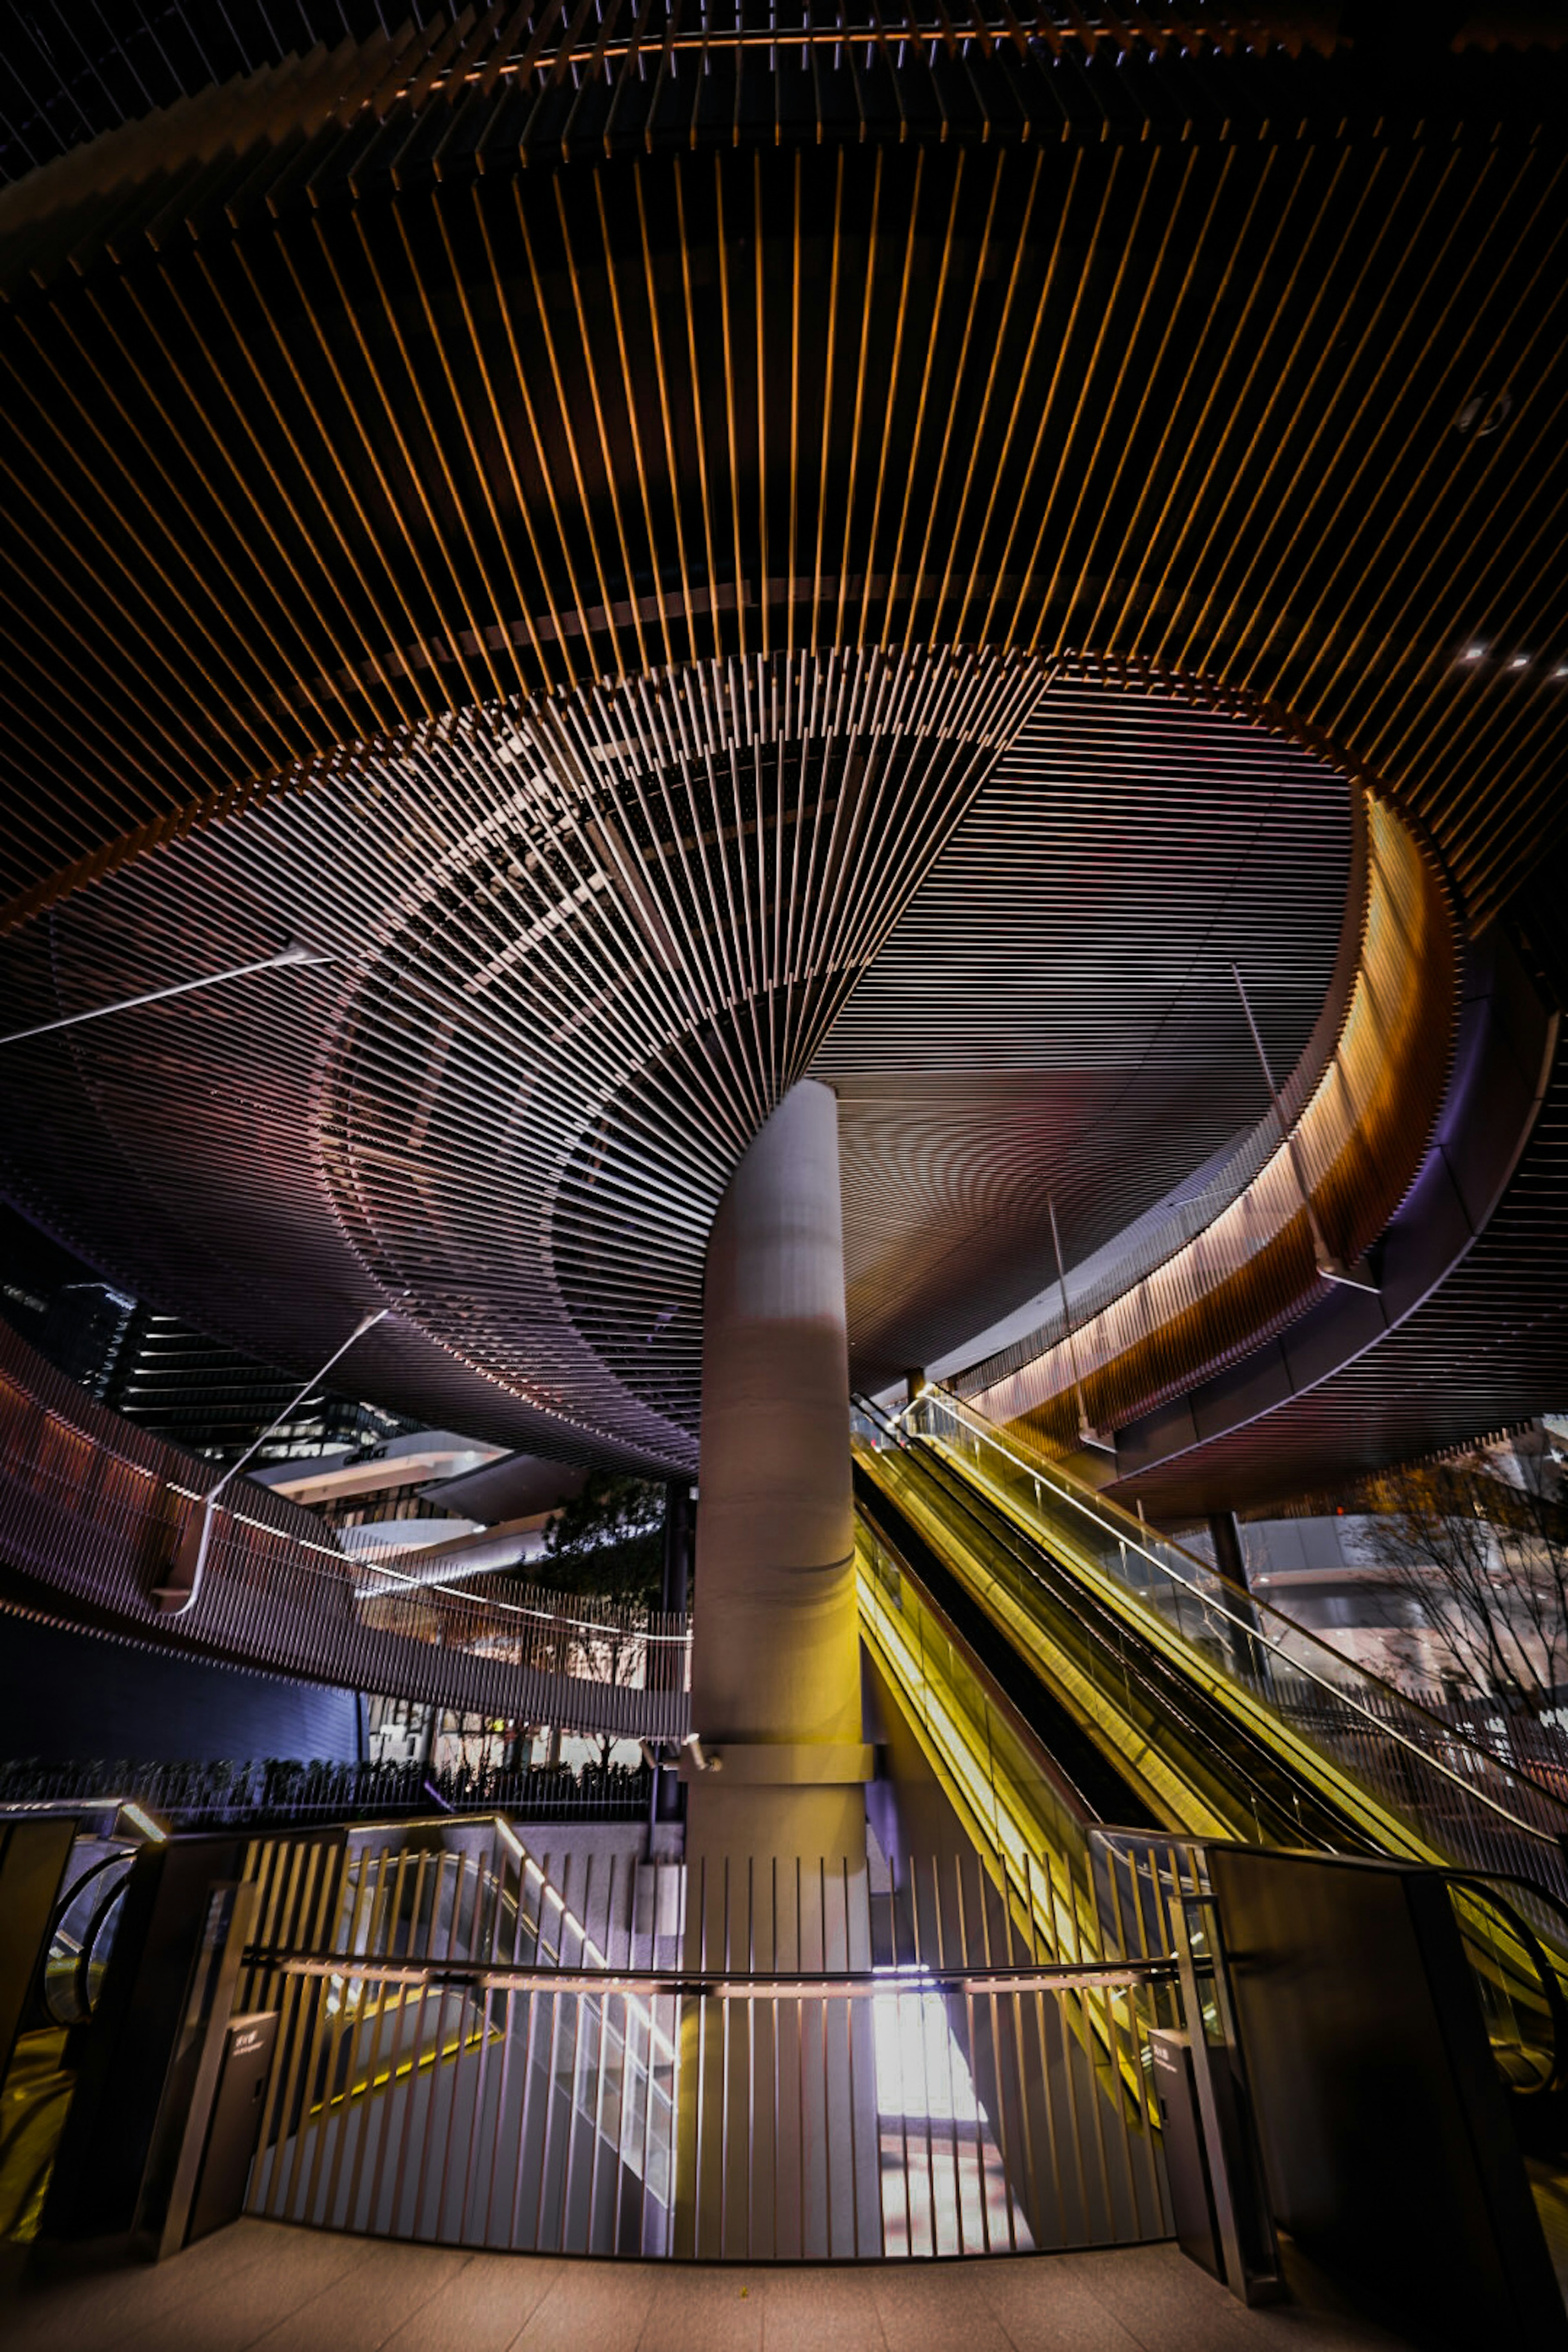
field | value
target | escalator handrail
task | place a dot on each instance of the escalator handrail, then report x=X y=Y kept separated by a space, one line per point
x=1482 y=1883
x=1257 y=1792
x=1125 y=1529
x=1477 y=1883
x=1060 y=1782
x=66 y=1903
x=1138 y=1539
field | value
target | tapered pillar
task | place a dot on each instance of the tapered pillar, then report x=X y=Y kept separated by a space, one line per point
x=775 y=1658
x=777 y=2131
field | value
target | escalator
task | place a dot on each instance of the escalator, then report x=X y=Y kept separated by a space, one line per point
x=1099 y=1748
x=1170 y=1696
x=68 y=1977
x=1143 y=1747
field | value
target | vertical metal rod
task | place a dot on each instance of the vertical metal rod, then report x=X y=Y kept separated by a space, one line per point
x=962 y=1929
x=604 y=2017
x=1219 y=2171
x=579 y=2007
x=724 y=2082
x=625 y=2114
x=648 y=2069
x=939 y=1927
x=554 y=1999
x=508 y=2032
x=482 y=1950
x=1236 y=2058
x=618 y=2145
x=826 y=2086
x=442 y=2178
x=750 y=2052
x=929 y=2120
x=384 y=2008
x=797 y=2010
x=996 y=2069
x=356 y=2108
x=580 y=2010
x=849 y=2055
x=312 y=1995
x=897 y=1999
x=1045 y=2073
x=1066 y=2038
x=277 y=1992
x=773 y=2039
x=701 y=2114
x=527 y=2101
x=437 y=2054
x=1135 y=2073
x=335 y=2127
x=1083 y=1908
x=1026 y=2121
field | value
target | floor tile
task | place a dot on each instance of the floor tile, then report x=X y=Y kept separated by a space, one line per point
x=1165 y=2301
x=813 y=2310
x=592 y=2307
x=483 y=2309
x=132 y=2292
x=1159 y=2296
x=936 y=2307
x=392 y=2282
x=1043 y=2308
x=698 y=2310
x=263 y=2287
x=230 y=2315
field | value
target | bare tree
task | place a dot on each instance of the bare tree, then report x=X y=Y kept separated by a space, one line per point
x=1482 y=1564
x=606 y=1546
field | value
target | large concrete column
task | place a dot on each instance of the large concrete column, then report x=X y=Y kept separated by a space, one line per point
x=775 y=1658
x=770 y=2164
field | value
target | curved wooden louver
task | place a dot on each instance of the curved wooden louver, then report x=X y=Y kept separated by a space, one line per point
x=91 y=1510
x=1235 y=1266
x=328 y=429
x=674 y=399
x=577 y=951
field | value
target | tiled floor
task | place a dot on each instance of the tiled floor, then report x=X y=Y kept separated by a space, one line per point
x=288 y=2290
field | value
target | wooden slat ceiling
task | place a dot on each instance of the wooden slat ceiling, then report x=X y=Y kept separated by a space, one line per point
x=315 y=428
x=1486 y=1352
x=471 y=380
x=1055 y=1007
x=576 y=958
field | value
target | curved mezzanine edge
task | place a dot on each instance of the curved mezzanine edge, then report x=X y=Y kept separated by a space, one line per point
x=91 y=1510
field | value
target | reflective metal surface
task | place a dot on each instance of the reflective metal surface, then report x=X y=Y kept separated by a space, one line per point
x=523 y=2052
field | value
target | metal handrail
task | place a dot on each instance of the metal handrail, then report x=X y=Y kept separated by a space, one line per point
x=1133 y=1536
x=1238 y=1774
x=746 y=1984
x=91 y=1507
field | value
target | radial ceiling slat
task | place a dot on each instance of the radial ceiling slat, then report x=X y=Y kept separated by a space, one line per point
x=622 y=444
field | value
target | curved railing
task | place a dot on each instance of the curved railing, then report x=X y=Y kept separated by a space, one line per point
x=1415 y=1786
x=91 y=1510
x=1291 y=1209
x=230 y=1793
